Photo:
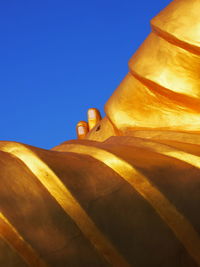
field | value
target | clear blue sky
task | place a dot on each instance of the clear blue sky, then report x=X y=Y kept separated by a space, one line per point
x=60 y=57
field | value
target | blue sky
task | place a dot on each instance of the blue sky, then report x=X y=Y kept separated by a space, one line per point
x=59 y=57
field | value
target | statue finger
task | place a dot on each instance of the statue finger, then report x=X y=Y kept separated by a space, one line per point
x=94 y=117
x=82 y=129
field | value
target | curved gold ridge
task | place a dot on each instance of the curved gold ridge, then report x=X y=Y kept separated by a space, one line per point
x=174 y=40
x=163 y=90
x=66 y=200
x=176 y=221
x=181 y=227
x=170 y=151
x=15 y=240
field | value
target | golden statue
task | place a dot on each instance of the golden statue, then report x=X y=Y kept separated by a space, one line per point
x=127 y=192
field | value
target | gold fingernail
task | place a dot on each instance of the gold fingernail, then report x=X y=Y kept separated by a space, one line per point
x=82 y=129
x=93 y=117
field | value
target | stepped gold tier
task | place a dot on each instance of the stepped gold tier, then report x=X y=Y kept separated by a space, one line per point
x=127 y=193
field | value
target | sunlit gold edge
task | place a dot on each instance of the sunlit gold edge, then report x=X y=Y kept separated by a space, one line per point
x=175 y=41
x=180 y=98
x=181 y=227
x=69 y=204
x=16 y=242
x=170 y=151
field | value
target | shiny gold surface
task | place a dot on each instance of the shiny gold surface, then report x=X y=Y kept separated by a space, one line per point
x=193 y=160
x=66 y=200
x=16 y=241
x=130 y=184
x=175 y=220
x=102 y=131
x=177 y=66
x=162 y=90
x=180 y=21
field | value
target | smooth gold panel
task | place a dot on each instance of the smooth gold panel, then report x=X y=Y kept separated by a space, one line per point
x=187 y=137
x=181 y=20
x=181 y=227
x=134 y=106
x=16 y=241
x=168 y=66
x=9 y=256
x=66 y=200
x=164 y=90
x=170 y=151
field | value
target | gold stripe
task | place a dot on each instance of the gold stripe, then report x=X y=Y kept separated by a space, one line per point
x=183 y=156
x=66 y=200
x=170 y=151
x=181 y=227
x=14 y=240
